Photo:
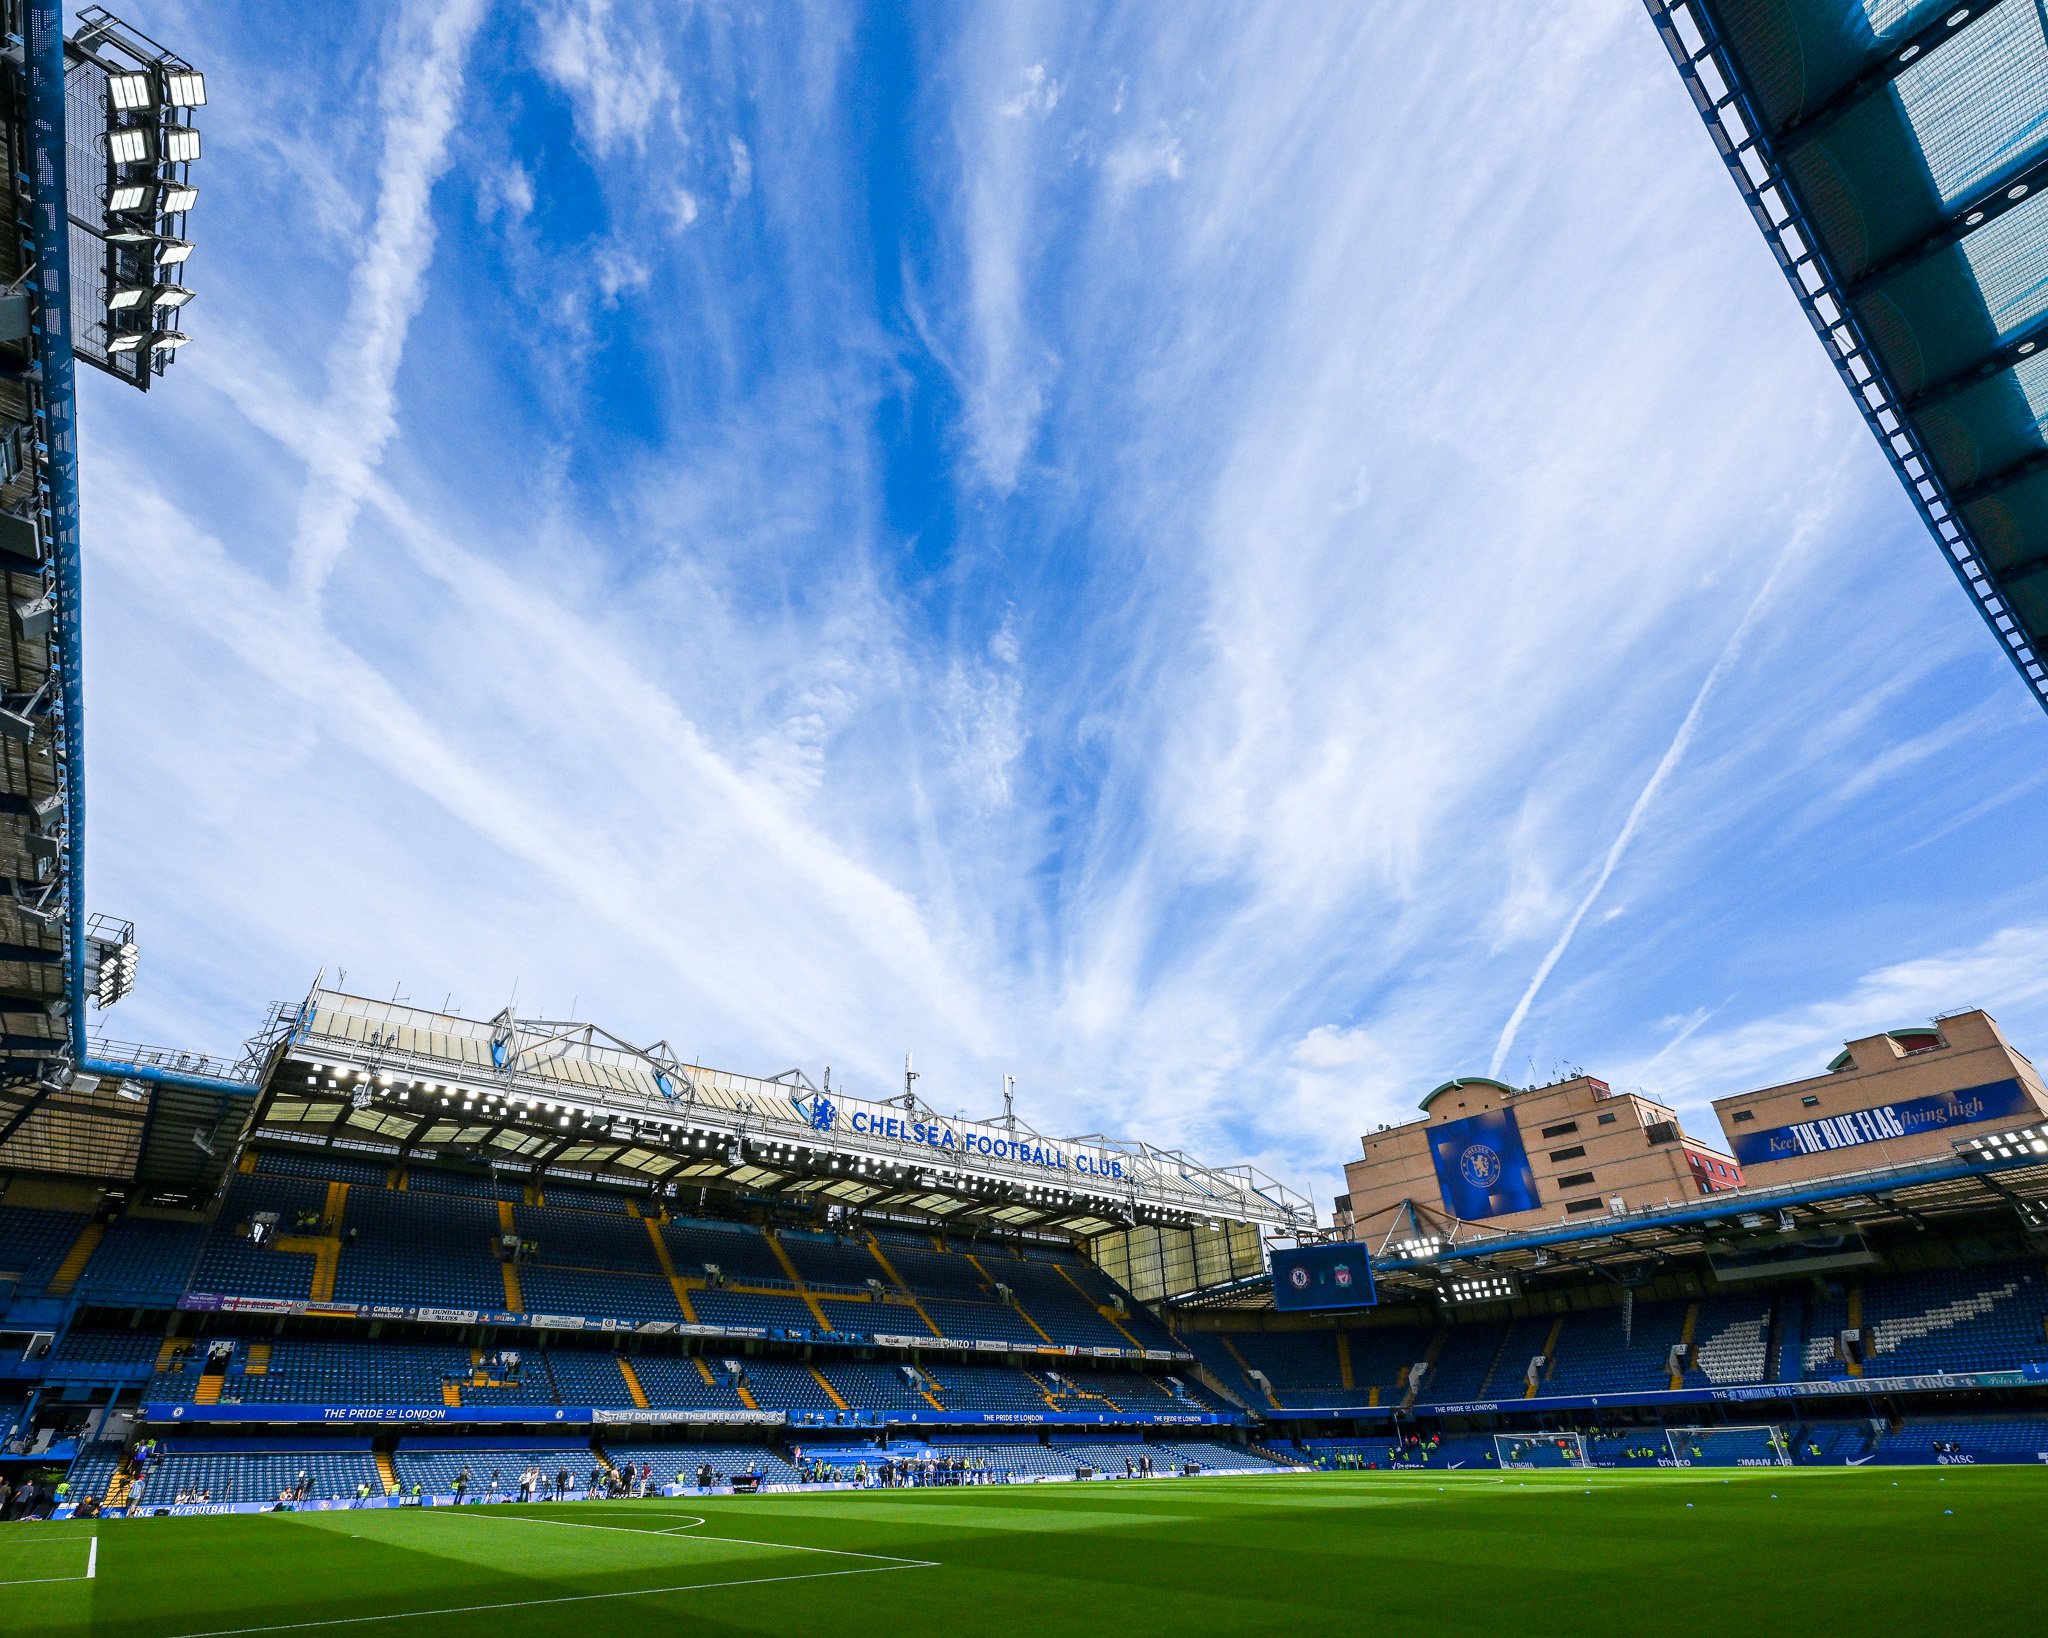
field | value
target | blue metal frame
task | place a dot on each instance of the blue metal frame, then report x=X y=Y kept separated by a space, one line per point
x=48 y=215
x=1729 y=110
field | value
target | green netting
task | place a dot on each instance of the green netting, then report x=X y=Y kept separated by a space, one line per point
x=1980 y=432
x=2011 y=526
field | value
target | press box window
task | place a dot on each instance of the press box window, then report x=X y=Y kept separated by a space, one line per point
x=1576 y=1152
x=1576 y=1180
x=1585 y=1205
x=1560 y=1129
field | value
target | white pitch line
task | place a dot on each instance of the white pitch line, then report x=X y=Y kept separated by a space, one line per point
x=40 y=1580
x=92 y=1560
x=732 y=1541
x=537 y=1603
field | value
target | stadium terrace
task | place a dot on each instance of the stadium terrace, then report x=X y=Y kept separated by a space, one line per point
x=419 y=1281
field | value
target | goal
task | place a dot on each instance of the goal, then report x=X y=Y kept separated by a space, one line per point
x=1763 y=1445
x=1523 y=1450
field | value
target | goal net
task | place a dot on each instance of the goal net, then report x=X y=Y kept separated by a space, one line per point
x=1540 y=1450
x=1763 y=1445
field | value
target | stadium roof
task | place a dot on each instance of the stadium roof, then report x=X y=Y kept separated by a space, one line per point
x=537 y=1099
x=1895 y=155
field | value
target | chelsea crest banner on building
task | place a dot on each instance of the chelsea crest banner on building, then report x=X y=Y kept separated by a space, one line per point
x=1481 y=1167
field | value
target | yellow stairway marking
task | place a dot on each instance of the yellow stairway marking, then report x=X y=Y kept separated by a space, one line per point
x=1855 y=1321
x=796 y=1279
x=515 y=1299
x=675 y=1282
x=258 y=1363
x=325 y=1251
x=1685 y=1334
x=1372 y=1396
x=451 y=1395
x=1107 y=1312
x=387 y=1474
x=632 y=1208
x=167 y=1355
x=1549 y=1357
x=1016 y=1301
x=247 y=1164
x=336 y=1208
x=1243 y=1364
x=1344 y=1375
x=704 y=1371
x=633 y=1382
x=895 y=1279
x=1436 y=1346
x=929 y=1400
x=746 y=1395
x=75 y=1259
x=831 y=1392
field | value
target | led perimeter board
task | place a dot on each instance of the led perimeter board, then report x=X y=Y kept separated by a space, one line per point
x=1313 y=1277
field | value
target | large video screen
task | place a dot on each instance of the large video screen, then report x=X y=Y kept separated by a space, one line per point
x=1312 y=1277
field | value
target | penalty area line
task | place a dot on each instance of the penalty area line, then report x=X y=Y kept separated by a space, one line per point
x=542 y=1603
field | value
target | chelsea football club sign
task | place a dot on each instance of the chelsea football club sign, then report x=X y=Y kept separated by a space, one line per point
x=1481 y=1168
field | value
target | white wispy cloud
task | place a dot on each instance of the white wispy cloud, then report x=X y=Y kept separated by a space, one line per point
x=1183 y=643
x=423 y=89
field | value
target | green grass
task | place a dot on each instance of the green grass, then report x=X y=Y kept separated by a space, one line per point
x=1818 y=1550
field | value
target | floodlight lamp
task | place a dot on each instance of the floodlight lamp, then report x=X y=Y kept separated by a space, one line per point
x=126 y=343
x=129 y=92
x=184 y=88
x=125 y=297
x=179 y=197
x=130 y=144
x=181 y=143
x=128 y=196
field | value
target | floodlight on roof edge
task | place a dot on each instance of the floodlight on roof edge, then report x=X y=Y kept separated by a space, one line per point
x=146 y=95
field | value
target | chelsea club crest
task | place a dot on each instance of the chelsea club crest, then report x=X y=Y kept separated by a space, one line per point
x=1480 y=1166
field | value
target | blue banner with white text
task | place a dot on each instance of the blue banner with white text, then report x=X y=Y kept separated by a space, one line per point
x=1482 y=1169
x=1996 y=1100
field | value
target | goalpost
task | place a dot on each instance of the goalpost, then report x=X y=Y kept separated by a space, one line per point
x=1763 y=1444
x=1524 y=1450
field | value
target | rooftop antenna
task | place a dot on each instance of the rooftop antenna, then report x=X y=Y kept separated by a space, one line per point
x=1010 y=1102
x=910 y=1080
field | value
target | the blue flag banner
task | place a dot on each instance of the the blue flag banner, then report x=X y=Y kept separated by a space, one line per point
x=1481 y=1168
x=1312 y=1277
x=1910 y=1117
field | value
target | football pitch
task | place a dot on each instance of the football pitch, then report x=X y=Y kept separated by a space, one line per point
x=1819 y=1550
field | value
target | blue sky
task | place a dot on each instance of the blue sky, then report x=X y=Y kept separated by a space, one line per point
x=1230 y=562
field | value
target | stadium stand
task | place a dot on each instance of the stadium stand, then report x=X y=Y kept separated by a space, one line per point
x=225 y=1472
x=34 y=1243
x=141 y=1262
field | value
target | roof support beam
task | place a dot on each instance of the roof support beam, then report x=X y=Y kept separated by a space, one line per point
x=1986 y=205
x=2022 y=343
x=42 y=1095
x=1949 y=24
x=1985 y=487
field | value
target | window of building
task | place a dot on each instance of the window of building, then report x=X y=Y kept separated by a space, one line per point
x=1607 y=1120
x=1742 y=1115
x=1573 y=1153
x=1562 y=1127
x=1661 y=1131
x=1586 y=1205
x=1809 y=1102
x=1575 y=1180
